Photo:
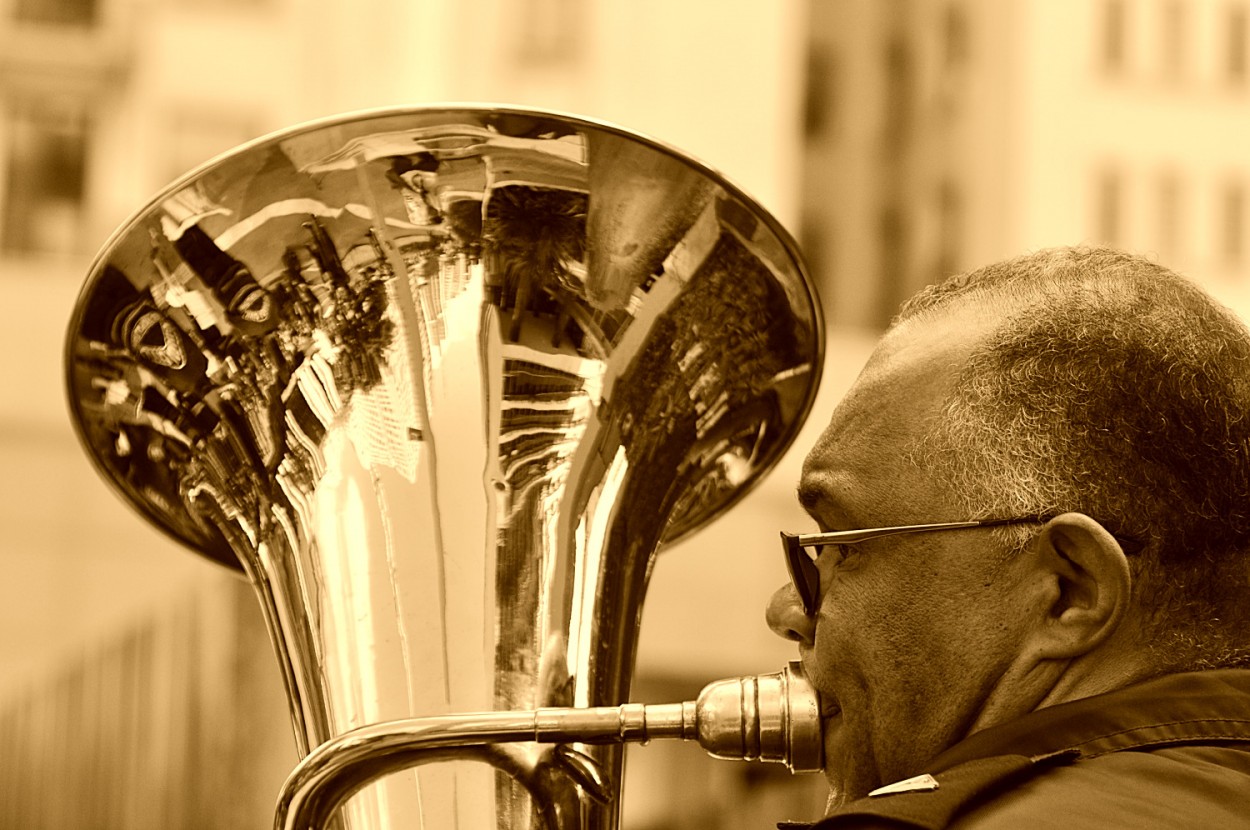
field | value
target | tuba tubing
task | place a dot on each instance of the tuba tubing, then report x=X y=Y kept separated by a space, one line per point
x=441 y=382
x=770 y=717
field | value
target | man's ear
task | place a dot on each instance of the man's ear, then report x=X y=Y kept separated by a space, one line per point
x=1086 y=585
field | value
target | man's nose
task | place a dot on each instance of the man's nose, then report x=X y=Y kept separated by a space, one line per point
x=786 y=618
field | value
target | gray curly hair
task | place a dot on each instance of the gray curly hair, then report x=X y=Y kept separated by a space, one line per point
x=1113 y=387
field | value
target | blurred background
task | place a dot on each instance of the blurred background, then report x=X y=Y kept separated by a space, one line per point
x=899 y=140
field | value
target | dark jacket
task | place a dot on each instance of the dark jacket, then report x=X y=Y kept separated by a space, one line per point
x=1167 y=753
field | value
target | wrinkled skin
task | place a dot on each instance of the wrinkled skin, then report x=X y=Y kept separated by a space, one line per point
x=920 y=639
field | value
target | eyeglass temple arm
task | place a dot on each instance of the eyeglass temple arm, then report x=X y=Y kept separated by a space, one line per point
x=850 y=537
x=793 y=541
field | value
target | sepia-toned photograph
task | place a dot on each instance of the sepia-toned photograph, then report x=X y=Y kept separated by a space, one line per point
x=624 y=414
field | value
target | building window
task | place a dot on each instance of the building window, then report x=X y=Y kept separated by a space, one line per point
x=819 y=99
x=815 y=240
x=1173 y=35
x=899 y=92
x=892 y=261
x=950 y=230
x=1108 y=209
x=1113 y=47
x=45 y=180
x=955 y=40
x=1233 y=224
x=55 y=12
x=1235 y=62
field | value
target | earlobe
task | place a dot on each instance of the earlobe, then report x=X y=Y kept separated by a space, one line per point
x=1090 y=585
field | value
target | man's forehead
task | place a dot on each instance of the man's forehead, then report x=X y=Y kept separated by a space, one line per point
x=939 y=337
x=860 y=456
x=914 y=366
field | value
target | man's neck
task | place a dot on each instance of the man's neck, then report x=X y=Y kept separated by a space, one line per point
x=1049 y=683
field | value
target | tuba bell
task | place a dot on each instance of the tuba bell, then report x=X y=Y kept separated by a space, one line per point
x=439 y=383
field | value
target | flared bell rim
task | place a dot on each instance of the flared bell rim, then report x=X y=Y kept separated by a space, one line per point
x=218 y=550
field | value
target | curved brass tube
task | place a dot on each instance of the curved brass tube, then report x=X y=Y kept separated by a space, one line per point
x=772 y=717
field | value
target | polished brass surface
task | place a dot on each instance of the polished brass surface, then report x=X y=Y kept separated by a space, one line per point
x=440 y=382
x=772 y=717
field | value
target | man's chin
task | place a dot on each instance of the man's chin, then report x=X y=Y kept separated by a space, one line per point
x=849 y=770
x=843 y=791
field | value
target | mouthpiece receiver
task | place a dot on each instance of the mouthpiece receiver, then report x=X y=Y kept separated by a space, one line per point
x=768 y=717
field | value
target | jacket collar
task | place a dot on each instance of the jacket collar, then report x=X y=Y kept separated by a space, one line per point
x=1206 y=705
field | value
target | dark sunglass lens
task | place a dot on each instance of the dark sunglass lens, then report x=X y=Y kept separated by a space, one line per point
x=803 y=572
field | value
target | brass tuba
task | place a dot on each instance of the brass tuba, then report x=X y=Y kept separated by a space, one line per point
x=440 y=382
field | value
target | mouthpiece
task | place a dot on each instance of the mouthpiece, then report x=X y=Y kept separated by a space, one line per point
x=768 y=717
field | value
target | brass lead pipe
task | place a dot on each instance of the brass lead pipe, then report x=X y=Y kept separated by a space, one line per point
x=772 y=717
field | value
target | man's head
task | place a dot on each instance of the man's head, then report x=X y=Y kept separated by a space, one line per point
x=1097 y=391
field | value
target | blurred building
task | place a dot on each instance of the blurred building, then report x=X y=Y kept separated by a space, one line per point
x=929 y=136
x=945 y=134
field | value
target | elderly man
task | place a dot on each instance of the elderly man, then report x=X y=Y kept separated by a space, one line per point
x=1047 y=623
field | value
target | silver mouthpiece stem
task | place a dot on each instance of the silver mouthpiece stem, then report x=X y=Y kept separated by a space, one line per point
x=768 y=717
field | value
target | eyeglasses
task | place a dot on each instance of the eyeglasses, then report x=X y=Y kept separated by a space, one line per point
x=806 y=576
